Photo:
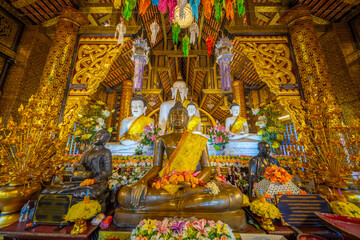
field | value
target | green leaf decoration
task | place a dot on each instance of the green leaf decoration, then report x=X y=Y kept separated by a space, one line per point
x=185 y=43
x=241 y=8
x=176 y=31
x=218 y=9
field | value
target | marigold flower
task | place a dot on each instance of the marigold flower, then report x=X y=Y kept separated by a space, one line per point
x=267 y=195
x=289 y=192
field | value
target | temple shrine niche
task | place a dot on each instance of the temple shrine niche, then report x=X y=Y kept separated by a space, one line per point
x=181 y=119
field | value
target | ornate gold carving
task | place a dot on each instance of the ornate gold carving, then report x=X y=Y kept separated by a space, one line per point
x=272 y=62
x=295 y=107
x=239 y=98
x=8 y=30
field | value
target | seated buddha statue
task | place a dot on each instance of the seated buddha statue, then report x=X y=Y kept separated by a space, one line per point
x=132 y=127
x=236 y=124
x=95 y=164
x=259 y=163
x=194 y=124
x=186 y=152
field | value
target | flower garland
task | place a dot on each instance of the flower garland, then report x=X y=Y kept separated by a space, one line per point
x=264 y=209
x=277 y=174
x=345 y=208
x=127 y=177
x=185 y=229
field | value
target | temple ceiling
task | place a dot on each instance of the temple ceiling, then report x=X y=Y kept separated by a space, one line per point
x=259 y=13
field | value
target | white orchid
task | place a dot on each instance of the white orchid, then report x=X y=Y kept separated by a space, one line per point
x=100 y=121
x=106 y=113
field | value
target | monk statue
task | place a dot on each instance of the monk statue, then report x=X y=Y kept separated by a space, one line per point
x=259 y=163
x=178 y=86
x=194 y=124
x=187 y=152
x=236 y=124
x=95 y=164
x=132 y=127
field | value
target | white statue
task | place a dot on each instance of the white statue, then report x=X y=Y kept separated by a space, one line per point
x=236 y=124
x=165 y=107
x=194 y=123
x=120 y=30
x=194 y=31
x=132 y=127
x=155 y=28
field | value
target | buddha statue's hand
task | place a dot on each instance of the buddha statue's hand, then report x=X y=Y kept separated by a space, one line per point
x=137 y=190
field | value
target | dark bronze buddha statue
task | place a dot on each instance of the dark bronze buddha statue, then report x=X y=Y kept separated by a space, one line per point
x=95 y=164
x=259 y=163
x=186 y=152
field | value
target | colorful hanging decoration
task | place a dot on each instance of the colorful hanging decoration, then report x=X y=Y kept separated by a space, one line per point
x=194 y=32
x=194 y=6
x=155 y=2
x=140 y=58
x=185 y=42
x=218 y=9
x=209 y=43
x=241 y=8
x=162 y=6
x=223 y=58
x=171 y=5
x=182 y=5
x=144 y=4
x=229 y=8
x=154 y=28
x=176 y=31
x=129 y=6
x=120 y=31
x=207 y=4
x=117 y=4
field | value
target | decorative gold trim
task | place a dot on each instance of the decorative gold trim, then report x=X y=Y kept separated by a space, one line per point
x=7 y=51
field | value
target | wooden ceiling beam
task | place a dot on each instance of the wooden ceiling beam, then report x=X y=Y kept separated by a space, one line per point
x=127 y=69
x=104 y=18
x=92 y=20
x=201 y=27
x=164 y=31
x=23 y=3
x=216 y=106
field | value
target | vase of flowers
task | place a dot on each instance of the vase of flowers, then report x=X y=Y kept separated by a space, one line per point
x=219 y=137
x=270 y=128
x=147 y=139
x=90 y=120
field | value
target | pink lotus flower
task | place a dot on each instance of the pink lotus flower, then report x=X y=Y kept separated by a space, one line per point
x=219 y=140
x=200 y=226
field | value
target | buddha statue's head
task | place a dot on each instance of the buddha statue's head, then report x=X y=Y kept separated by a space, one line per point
x=178 y=115
x=264 y=148
x=138 y=105
x=102 y=137
x=235 y=109
x=179 y=86
x=191 y=108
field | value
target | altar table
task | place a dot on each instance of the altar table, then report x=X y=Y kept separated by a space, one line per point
x=46 y=232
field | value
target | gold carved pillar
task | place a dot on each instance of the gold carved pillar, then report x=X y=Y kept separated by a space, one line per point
x=239 y=98
x=307 y=49
x=58 y=61
x=125 y=106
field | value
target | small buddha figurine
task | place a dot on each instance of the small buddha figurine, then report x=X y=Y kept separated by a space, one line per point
x=178 y=86
x=236 y=124
x=259 y=163
x=132 y=127
x=194 y=124
x=95 y=164
x=186 y=152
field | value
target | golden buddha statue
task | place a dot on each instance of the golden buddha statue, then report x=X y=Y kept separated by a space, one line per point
x=186 y=152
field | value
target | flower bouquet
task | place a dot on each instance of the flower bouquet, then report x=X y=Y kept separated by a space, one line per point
x=148 y=136
x=219 y=137
x=90 y=120
x=182 y=229
x=127 y=177
x=266 y=211
x=276 y=180
x=271 y=130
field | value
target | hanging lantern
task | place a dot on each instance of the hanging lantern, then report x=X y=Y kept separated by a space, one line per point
x=140 y=58
x=209 y=43
x=223 y=58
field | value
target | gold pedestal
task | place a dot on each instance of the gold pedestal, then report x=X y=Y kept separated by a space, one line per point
x=12 y=199
x=127 y=218
x=352 y=196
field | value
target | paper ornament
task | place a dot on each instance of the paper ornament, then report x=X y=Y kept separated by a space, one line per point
x=194 y=32
x=218 y=9
x=229 y=9
x=194 y=6
x=117 y=4
x=162 y=6
x=182 y=4
x=143 y=5
x=171 y=5
x=176 y=31
x=120 y=32
x=207 y=4
x=154 y=28
x=209 y=43
x=129 y=6
x=185 y=42
x=155 y=2
x=241 y=8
